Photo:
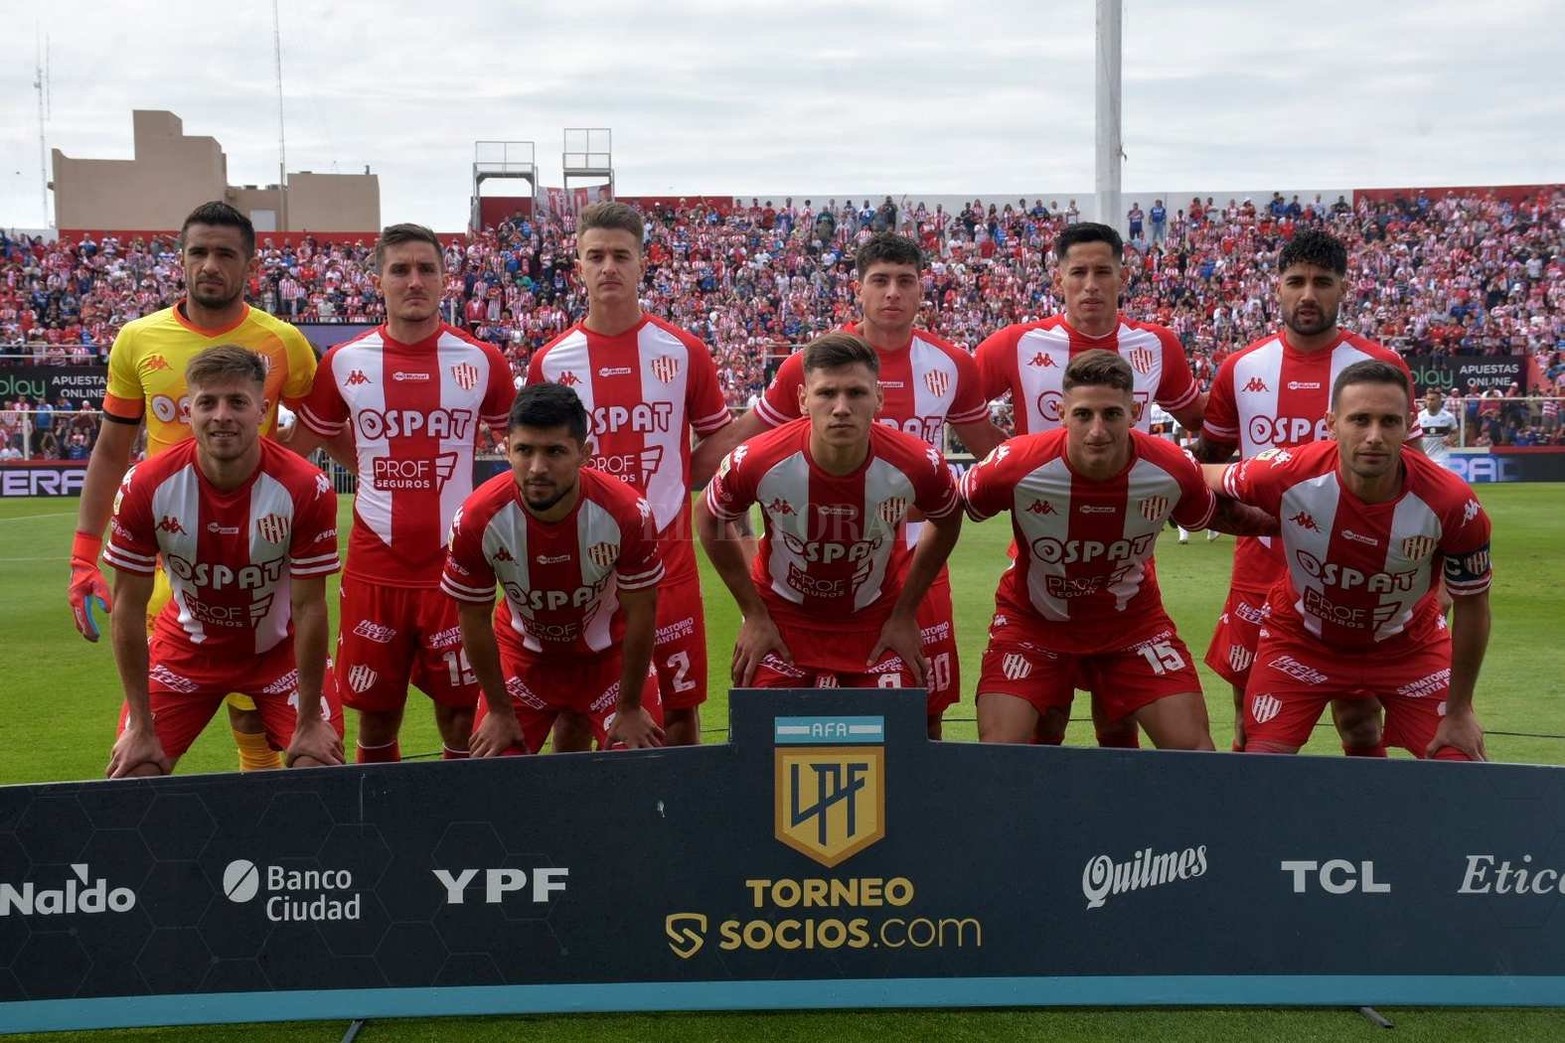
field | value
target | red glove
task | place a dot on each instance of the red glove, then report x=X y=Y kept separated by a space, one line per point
x=87 y=587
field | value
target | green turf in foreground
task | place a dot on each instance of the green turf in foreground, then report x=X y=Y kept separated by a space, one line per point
x=59 y=698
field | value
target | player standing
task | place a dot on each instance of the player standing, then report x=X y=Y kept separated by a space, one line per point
x=827 y=604
x=1275 y=394
x=248 y=534
x=1369 y=526
x=927 y=383
x=147 y=384
x=1440 y=427
x=1080 y=606
x=646 y=386
x=414 y=393
x=1028 y=360
x=576 y=553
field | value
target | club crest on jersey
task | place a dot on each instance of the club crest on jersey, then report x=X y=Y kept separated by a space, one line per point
x=1256 y=385
x=603 y=555
x=1304 y=521
x=665 y=368
x=938 y=381
x=466 y=375
x=360 y=678
x=272 y=527
x=892 y=509
x=171 y=524
x=1154 y=508
x=356 y=378
x=1042 y=360
x=1015 y=666
x=1140 y=360
x=1417 y=548
x=1240 y=658
x=1264 y=707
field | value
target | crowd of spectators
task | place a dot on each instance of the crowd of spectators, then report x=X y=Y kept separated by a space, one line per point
x=1457 y=275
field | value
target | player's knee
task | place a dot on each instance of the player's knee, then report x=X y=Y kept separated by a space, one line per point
x=1359 y=724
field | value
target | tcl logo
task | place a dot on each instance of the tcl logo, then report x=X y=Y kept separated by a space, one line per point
x=1337 y=876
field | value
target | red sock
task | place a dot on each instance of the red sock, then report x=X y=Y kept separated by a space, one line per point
x=448 y=754
x=390 y=753
x=1365 y=751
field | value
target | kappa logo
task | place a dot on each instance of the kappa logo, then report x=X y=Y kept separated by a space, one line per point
x=829 y=801
x=503 y=555
x=1417 y=548
x=1264 y=707
x=938 y=381
x=568 y=379
x=1042 y=507
x=1257 y=385
x=1470 y=511
x=356 y=378
x=1042 y=360
x=1140 y=360
x=603 y=555
x=157 y=362
x=665 y=368
x=1015 y=666
x=1304 y=521
x=1154 y=508
x=171 y=524
x=780 y=506
x=360 y=678
x=273 y=528
x=466 y=375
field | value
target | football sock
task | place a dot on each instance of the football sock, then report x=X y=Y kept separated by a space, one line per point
x=255 y=754
x=388 y=753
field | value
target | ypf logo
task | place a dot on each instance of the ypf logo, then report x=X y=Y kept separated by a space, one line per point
x=829 y=802
x=686 y=933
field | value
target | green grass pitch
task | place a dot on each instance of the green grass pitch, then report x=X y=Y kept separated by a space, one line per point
x=59 y=698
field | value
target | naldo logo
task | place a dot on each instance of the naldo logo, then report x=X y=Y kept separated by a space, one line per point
x=293 y=895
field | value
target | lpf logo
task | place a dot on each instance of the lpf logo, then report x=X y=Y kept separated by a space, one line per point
x=829 y=802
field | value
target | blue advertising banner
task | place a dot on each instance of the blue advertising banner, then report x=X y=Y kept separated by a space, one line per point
x=828 y=856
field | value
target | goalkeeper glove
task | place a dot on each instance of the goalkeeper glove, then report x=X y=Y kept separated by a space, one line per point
x=87 y=589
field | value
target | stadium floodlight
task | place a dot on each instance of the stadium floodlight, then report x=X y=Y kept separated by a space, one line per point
x=588 y=155
x=508 y=160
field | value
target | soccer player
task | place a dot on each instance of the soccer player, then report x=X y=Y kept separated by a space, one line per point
x=927 y=383
x=1028 y=360
x=827 y=604
x=1439 y=426
x=147 y=385
x=646 y=386
x=1080 y=607
x=1368 y=528
x=414 y=393
x=1275 y=394
x=576 y=553
x=248 y=534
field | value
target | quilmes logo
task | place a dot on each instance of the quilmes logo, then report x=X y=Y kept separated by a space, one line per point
x=77 y=893
x=1102 y=876
x=294 y=895
x=829 y=802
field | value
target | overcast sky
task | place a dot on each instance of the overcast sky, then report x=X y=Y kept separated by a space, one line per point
x=983 y=97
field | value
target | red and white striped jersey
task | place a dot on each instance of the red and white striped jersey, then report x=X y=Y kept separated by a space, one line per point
x=1361 y=575
x=927 y=383
x=230 y=553
x=645 y=390
x=1272 y=396
x=415 y=411
x=1088 y=544
x=1028 y=359
x=561 y=579
x=830 y=549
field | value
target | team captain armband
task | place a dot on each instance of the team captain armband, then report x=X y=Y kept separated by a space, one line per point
x=1468 y=573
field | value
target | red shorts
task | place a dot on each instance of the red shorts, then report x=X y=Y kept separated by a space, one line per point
x=1294 y=679
x=890 y=672
x=540 y=692
x=184 y=694
x=1238 y=632
x=937 y=630
x=679 y=649
x=389 y=636
x=1150 y=667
